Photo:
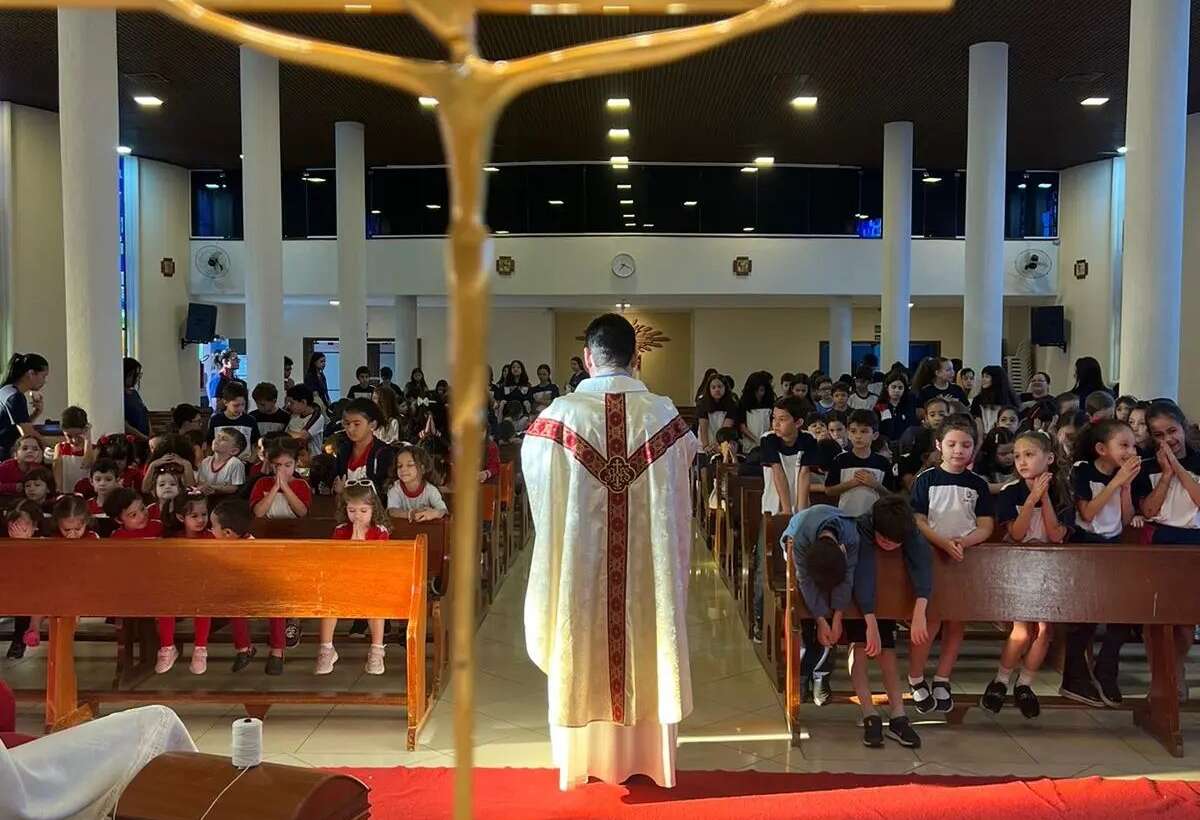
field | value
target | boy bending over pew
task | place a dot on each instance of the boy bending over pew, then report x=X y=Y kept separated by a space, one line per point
x=834 y=555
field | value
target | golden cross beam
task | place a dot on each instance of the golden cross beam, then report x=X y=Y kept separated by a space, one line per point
x=472 y=92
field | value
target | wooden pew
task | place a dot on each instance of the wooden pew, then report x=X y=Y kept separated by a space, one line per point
x=1067 y=583
x=256 y=579
x=507 y=500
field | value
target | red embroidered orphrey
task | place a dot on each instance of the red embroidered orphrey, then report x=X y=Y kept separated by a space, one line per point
x=616 y=471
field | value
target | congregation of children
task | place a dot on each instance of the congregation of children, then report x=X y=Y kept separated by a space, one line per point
x=934 y=464
x=384 y=452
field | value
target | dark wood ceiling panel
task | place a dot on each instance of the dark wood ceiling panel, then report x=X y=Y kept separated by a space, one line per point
x=727 y=105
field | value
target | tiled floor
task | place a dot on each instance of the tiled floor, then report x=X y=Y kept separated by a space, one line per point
x=737 y=722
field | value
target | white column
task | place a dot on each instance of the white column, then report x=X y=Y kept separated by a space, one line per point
x=406 y=338
x=987 y=141
x=841 y=323
x=87 y=106
x=352 y=248
x=1156 y=136
x=897 y=242
x=262 y=206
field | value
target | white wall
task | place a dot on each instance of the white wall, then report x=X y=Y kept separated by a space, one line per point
x=1189 y=344
x=575 y=265
x=32 y=234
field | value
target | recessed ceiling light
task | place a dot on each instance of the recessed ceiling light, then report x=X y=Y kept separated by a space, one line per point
x=618 y=160
x=617 y=104
x=491 y=169
x=555 y=201
x=359 y=8
x=1045 y=185
x=626 y=201
x=910 y=304
x=334 y=302
x=630 y=224
x=212 y=186
x=804 y=102
x=124 y=150
x=427 y=102
x=147 y=101
x=1122 y=150
x=501 y=233
x=690 y=203
x=620 y=166
x=748 y=229
x=433 y=206
x=314 y=179
x=624 y=186
x=629 y=216
x=749 y=169
x=1022 y=186
x=376 y=211
x=618 y=133
x=764 y=162
x=931 y=180
x=647 y=224
x=1093 y=101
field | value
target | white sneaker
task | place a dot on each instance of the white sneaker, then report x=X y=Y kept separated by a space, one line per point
x=166 y=659
x=375 y=660
x=326 y=658
x=199 y=664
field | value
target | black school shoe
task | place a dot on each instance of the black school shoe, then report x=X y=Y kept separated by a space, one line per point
x=873 y=731
x=358 y=629
x=993 y=697
x=921 y=696
x=1027 y=701
x=943 y=700
x=900 y=730
x=242 y=659
x=1081 y=691
x=1106 y=686
x=274 y=665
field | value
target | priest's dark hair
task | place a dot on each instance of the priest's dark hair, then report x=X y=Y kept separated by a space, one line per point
x=612 y=340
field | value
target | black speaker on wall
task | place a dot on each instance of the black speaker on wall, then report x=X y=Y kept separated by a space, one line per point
x=201 y=325
x=1048 y=326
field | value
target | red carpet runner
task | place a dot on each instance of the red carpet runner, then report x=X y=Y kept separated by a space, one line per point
x=522 y=794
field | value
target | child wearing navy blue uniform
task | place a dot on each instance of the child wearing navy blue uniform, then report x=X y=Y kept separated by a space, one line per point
x=1033 y=509
x=858 y=477
x=954 y=511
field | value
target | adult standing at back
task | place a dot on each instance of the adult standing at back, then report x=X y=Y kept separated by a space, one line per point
x=26 y=374
x=314 y=379
x=227 y=364
x=137 y=417
x=1088 y=378
x=607 y=468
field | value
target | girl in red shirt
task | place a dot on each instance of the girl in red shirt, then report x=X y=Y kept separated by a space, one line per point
x=167 y=487
x=126 y=507
x=184 y=517
x=70 y=520
x=364 y=519
x=27 y=454
x=282 y=494
x=24 y=520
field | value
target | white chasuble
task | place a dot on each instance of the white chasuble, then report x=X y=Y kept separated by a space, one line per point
x=607 y=470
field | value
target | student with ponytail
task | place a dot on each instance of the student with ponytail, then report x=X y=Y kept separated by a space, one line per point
x=25 y=376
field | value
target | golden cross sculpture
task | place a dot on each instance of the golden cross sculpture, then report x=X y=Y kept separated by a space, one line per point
x=472 y=92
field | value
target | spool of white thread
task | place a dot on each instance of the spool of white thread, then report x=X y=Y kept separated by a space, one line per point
x=247 y=742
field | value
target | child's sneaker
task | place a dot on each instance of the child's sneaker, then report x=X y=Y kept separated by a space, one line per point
x=872 y=731
x=921 y=696
x=822 y=691
x=900 y=730
x=375 y=660
x=943 y=701
x=32 y=638
x=1027 y=701
x=993 y=697
x=1081 y=691
x=358 y=628
x=292 y=633
x=1110 y=693
x=166 y=659
x=242 y=659
x=326 y=658
x=199 y=664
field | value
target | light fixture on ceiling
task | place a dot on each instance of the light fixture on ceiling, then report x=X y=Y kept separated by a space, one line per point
x=491 y=169
x=690 y=203
x=356 y=8
x=626 y=201
x=619 y=134
x=555 y=201
x=647 y=224
x=804 y=103
x=1122 y=150
x=764 y=162
x=910 y=304
x=212 y=186
x=630 y=224
x=624 y=186
x=1093 y=102
x=241 y=156
x=376 y=212
x=749 y=169
x=622 y=306
x=501 y=233
x=748 y=229
x=862 y=216
x=1044 y=185
x=620 y=166
x=1022 y=186
x=931 y=180
x=427 y=102
x=677 y=8
x=147 y=100
x=617 y=104
x=618 y=163
x=124 y=150
x=335 y=302
x=433 y=206
x=314 y=179
x=629 y=216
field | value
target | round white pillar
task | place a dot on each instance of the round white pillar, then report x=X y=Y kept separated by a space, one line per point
x=352 y=248
x=987 y=144
x=406 y=338
x=1156 y=136
x=897 y=242
x=87 y=105
x=262 y=206
x=841 y=324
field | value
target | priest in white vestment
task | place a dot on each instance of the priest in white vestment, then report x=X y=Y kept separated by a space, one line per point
x=607 y=470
